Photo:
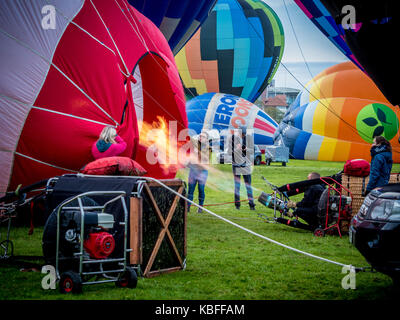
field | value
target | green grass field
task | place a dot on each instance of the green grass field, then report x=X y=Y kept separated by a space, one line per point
x=224 y=262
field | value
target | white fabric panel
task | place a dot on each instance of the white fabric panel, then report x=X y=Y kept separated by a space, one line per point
x=21 y=28
x=6 y=160
x=210 y=114
x=263 y=132
x=26 y=49
x=137 y=95
x=12 y=114
x=313 y=146
x=304 y=97
x=308 y=116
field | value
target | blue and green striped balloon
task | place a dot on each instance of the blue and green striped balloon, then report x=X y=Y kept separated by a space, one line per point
x=236 y=51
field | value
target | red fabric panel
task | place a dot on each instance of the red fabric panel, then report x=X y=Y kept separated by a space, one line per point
x=65 y=141
x=26 y=171
x=114 y=166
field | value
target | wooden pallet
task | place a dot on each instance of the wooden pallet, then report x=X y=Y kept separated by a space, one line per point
x=158 y=228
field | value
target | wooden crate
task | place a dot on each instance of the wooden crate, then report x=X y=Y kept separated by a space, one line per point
x=158 y=228
x=358 y=185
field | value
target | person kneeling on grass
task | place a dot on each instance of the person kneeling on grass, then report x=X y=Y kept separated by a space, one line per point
x=307 y=208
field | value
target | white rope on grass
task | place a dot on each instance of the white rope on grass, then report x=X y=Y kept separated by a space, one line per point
x=248 y=230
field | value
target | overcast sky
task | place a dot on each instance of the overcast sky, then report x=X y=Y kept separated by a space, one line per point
x=318 y=51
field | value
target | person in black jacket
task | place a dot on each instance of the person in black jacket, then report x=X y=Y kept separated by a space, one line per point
x=307 y=209
x=381 y=163
x=242 y=159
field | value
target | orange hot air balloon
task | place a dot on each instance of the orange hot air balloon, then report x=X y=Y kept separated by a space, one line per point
x=336 y=117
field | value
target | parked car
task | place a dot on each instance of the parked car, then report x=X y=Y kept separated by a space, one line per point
x=375 y=230
x=226 y=157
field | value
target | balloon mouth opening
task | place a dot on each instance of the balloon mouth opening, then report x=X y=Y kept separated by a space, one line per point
x=160 y=120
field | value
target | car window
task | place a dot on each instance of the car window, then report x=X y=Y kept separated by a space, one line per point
x=381 y=209
x=396 y=211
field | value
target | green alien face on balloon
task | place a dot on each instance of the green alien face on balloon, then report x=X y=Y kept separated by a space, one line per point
x=377 y=119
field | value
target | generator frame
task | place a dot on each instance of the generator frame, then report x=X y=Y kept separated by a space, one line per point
x=7 y=213
x=118 y=195
x=321 y=231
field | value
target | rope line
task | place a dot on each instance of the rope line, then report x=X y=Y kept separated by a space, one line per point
x=81 y=28
x=70 y=115
x=45 y=163
x=250 y=231
x=111 y=37
x=222 y=203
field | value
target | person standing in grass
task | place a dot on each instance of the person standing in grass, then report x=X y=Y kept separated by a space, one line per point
x=198 y=172
x=381 y=163
x=242 y=165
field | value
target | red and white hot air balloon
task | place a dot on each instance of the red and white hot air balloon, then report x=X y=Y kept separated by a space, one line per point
x=69 y=68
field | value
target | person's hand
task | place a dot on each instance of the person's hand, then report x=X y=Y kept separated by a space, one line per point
x=291 y=204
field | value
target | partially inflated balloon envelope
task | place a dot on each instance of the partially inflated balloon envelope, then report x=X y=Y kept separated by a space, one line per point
x=224 y=112
x=237 y=50
x=69 y=68
x=323 y=20
x=336 y=117
x=178 y=20
x=369 y=31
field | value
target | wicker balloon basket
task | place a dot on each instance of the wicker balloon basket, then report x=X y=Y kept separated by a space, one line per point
x=358 y=185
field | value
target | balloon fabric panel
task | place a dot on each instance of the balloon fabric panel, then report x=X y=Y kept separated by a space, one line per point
x=336 y=117
x=243 y=41
x=376 y=25
x=316 y=11
x=225 y=112
x=85 y=84
x=178 y=20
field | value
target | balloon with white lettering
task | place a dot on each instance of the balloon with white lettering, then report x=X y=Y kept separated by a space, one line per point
x=224 y=112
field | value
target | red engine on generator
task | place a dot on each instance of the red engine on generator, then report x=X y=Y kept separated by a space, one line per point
x=99 y=245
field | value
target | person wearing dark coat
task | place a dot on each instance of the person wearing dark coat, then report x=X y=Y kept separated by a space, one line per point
x=307 y=208
x=242 y=166
x=381 y=163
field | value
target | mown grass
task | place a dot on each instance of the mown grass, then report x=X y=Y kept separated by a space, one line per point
x=224 y=262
